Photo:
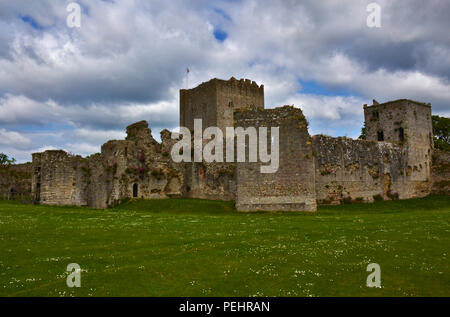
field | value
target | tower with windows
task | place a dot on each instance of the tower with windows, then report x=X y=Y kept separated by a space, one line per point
x=406 y=123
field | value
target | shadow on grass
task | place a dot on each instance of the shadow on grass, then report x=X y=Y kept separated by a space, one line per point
x=218 y=207
x=178 y=206
x=215 y=207
x=432 y=202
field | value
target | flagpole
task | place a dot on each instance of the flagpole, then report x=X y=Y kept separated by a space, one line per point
x=187 y=78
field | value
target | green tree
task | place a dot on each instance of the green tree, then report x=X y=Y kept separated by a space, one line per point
x=441 y=132
x=5 y=160
x=363 y=133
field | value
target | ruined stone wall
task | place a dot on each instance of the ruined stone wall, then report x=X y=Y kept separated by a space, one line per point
x=115 y=156
x=136 y=167
x=291 y=188
x=59 y=178
x=210 y=181
x=441 y=172
x=358 y=170
x=36 y=177
x=150 y=167
x=17 y=177
x=419 y=143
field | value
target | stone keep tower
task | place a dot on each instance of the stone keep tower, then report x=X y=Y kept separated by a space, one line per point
x=214 y=101
x=405 y=123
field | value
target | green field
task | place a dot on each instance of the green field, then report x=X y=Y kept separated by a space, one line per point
x=186 y=247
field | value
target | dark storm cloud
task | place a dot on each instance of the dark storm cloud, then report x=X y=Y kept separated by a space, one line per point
x=416 y=35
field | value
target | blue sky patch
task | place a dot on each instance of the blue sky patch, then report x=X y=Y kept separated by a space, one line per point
x=32 y=22
x=222 y=14
x=220 y=35
x=314 y=88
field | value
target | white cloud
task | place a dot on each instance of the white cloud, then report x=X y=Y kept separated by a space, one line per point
x=98 y=136
x=21 y=109
x=45 y=148
x=81 y=148
x=331 y=115
x=12 y=138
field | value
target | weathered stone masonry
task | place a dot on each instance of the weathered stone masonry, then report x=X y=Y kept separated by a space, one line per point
x=292 y=186
x=393 y=162
x=15 y=177
x=357 y=169
x=136 y=167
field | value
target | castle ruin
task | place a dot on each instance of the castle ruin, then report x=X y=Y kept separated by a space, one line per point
x=393 y=162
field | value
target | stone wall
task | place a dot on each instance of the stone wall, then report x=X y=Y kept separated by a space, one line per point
x=358 y=170
x=210 y=181
x=199 y=102
x=136 y=167
x=18 y=178
x=291 y=188
x=59 y=178
x=441 y=172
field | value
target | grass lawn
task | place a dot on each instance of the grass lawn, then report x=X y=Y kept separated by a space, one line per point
x=186 y=247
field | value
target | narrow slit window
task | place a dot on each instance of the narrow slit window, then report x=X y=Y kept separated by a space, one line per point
x=401 y=134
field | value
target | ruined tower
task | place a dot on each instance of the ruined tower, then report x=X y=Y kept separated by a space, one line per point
x=406 y=123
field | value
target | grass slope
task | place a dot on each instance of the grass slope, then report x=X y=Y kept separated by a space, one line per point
x=186 y=247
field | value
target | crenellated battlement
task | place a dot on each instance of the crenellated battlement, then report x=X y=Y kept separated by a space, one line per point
x=242 y=83
x=214 y=101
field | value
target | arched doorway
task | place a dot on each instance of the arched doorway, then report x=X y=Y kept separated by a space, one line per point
x=135 y=190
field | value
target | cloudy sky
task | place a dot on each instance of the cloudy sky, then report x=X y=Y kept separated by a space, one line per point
x=76 y=88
